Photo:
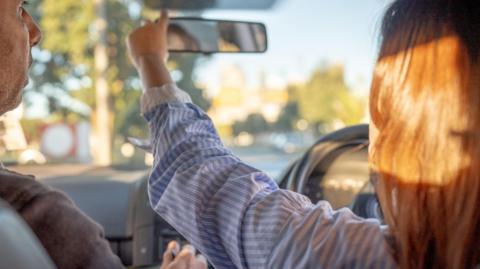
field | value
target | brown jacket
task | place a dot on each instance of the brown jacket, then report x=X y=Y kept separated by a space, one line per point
x=72 y=239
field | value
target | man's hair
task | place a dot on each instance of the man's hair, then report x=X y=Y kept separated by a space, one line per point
x=425 y=103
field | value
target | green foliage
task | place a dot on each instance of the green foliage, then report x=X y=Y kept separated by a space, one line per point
x=67 y=26
x=254 y=124
x=186 y=63
x=32 y=128
x=128 y=121
x=66 y=51
x=326 y=98
x=288 y=117
x=66 y=55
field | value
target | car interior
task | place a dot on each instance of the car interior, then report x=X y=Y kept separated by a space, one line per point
x=334 y=168
x=139 y=236
x=20 y=247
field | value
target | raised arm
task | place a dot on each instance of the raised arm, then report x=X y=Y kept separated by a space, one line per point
x=233 y=213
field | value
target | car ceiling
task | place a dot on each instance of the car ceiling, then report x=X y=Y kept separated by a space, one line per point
x=211 y=4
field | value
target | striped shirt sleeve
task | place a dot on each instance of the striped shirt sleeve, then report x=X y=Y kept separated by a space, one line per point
x=235 y=214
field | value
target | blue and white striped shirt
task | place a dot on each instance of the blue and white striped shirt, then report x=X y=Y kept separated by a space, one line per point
x=235 y=214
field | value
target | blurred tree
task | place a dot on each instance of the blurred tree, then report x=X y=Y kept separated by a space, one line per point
x=186 y=63
x=290 y=113
x=65 y=55
x=326 y=98
x=254 y=124
x=63 y=68
x=288 y=117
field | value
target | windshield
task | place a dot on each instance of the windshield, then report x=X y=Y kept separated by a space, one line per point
x=268 y=108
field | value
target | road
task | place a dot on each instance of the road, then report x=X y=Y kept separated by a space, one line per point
x=264 y=158
x=271 y=161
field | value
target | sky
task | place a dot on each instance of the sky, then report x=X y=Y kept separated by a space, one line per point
x=303 y=35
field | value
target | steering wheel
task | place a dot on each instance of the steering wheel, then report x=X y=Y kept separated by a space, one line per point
x=331 y=152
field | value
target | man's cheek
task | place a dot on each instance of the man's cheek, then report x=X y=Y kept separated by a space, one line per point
x=14 y=44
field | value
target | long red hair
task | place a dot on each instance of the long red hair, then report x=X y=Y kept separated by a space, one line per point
x=425 y=109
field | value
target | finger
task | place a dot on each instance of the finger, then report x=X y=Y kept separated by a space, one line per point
x=187 y=250
x=145 y=22
x=163 y=20
x=176 y=248
x=168 y=256
x=177 y=264
x=200 y=262
x=185 y=258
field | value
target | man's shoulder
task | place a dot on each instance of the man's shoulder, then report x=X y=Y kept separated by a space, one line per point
x=18 y=189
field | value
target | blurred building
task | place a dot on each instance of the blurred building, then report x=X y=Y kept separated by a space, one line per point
x=235 y=101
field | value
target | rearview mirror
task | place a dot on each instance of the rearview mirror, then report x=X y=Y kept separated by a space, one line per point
x=216 y=36
x=211 y=4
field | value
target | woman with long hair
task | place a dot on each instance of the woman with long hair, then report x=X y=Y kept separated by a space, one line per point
x=425 y=142
x=425 y=151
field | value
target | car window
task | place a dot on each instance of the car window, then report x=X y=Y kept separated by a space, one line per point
x=268 y=108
